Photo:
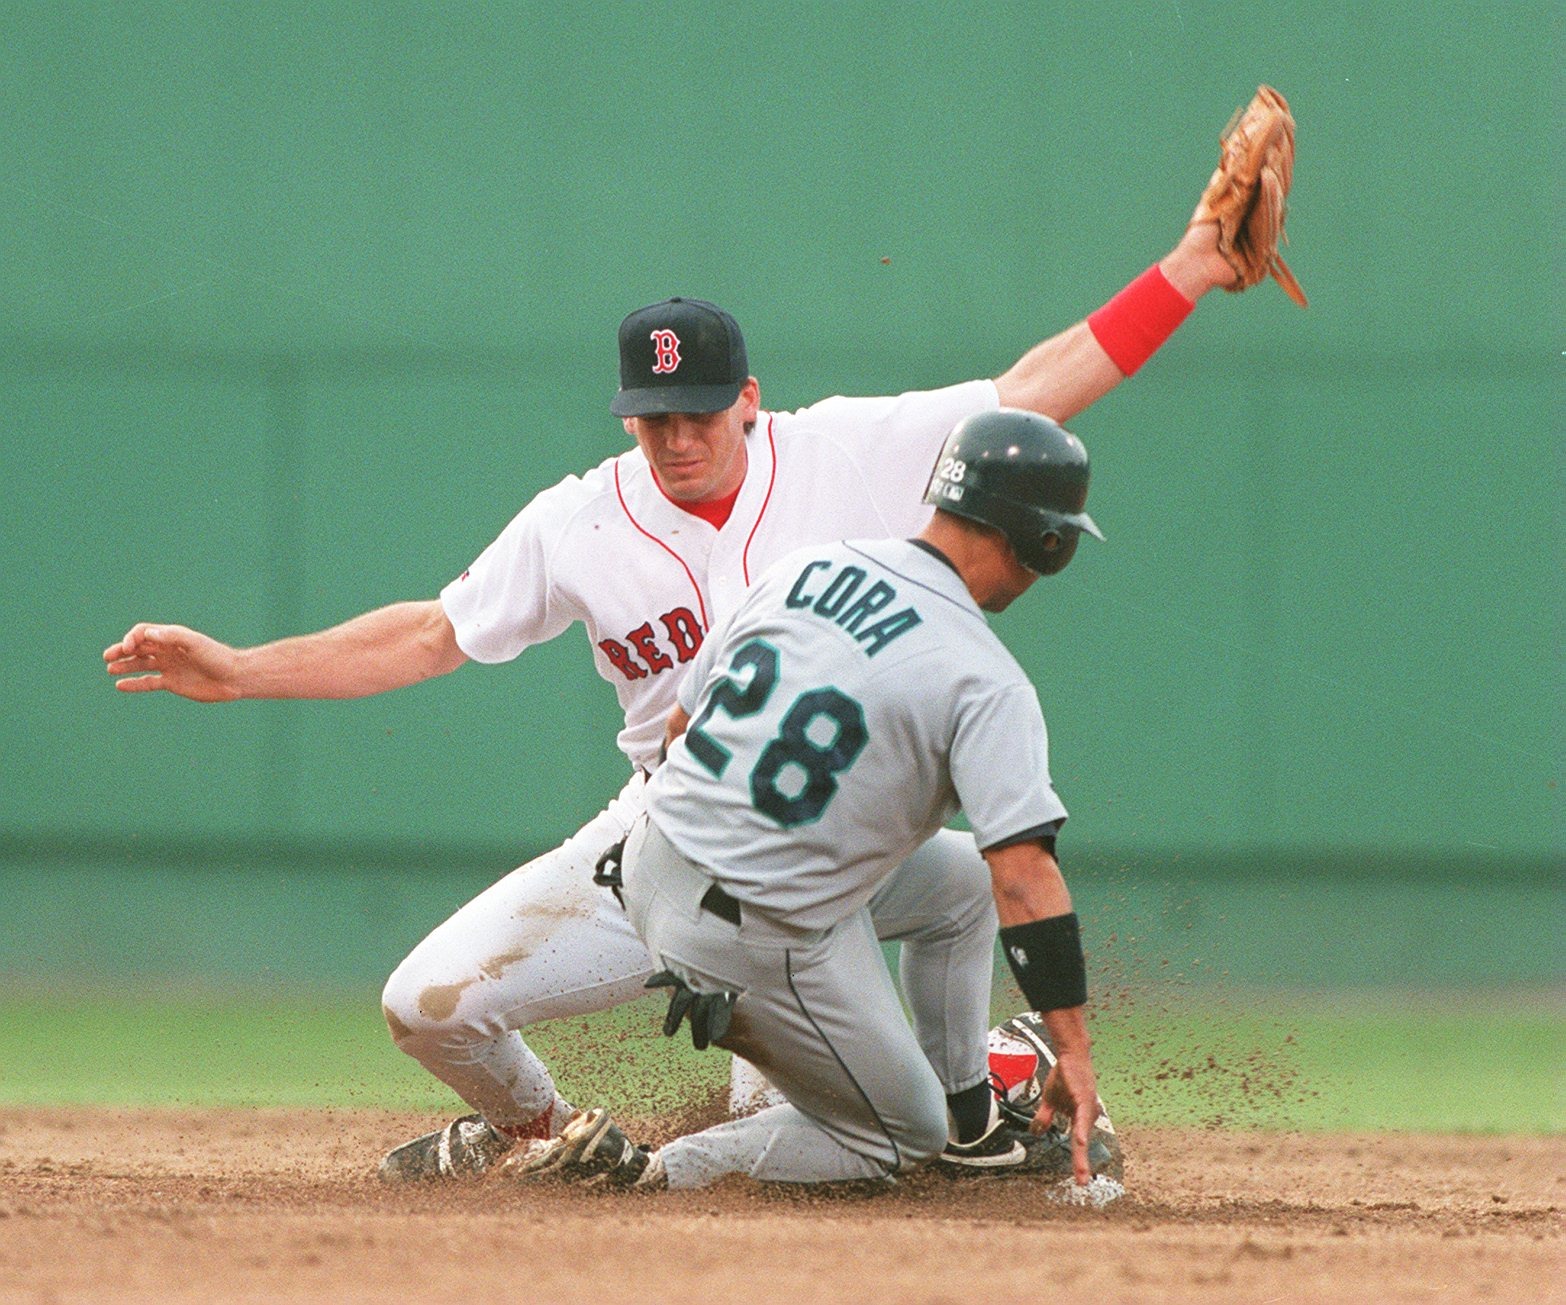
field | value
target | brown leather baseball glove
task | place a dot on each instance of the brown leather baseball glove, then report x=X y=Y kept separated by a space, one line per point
x=1248 y=193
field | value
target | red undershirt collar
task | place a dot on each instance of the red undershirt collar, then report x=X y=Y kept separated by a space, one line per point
x=715 y=512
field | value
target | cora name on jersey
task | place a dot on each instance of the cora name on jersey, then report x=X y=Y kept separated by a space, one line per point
x=683 y=637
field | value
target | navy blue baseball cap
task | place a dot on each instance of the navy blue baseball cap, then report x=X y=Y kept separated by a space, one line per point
x=681 y=355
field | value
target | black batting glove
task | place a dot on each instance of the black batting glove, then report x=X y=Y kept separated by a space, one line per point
x=709 y=1011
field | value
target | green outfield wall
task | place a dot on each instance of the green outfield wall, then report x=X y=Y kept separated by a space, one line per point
x=299 y=303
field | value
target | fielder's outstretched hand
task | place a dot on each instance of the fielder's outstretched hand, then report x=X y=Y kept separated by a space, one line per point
x=174 y=658
x=1072 y=1089
x=1247 y=198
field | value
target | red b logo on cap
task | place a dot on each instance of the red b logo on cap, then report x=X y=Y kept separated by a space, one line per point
x=667 y=343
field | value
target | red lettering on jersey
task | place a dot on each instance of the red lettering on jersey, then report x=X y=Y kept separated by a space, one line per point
x=620 y=655
x=667 y=343
x=641 y=639
x=684 y=632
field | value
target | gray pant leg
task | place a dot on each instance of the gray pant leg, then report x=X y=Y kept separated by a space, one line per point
x=775 y=1145
x=819 y=1016
x=940 y=905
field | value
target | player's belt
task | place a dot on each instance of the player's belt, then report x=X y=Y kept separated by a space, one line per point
x=721 y=904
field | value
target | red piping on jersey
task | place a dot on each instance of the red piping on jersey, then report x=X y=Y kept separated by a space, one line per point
x=620 y=494
x=771 y=481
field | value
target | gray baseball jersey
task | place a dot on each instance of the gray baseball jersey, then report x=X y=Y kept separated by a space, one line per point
x=853 y=703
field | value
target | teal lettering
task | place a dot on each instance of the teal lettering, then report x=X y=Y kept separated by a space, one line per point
x=867 y=604
x=797 y=597
x=888 y=628
x=842 y=588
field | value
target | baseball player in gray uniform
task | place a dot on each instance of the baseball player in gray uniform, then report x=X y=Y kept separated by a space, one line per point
x=855 y=701
x=648 y=551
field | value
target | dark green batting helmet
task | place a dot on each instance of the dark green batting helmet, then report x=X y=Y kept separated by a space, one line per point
x=1022 y=474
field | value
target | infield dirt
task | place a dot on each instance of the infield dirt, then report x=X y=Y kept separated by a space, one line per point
x=228 y=1205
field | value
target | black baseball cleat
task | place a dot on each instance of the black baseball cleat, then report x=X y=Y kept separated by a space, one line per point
x=1007 y=1148
x=465 y=1148
x=1051 y=1149
x=999 y=1150
x=591 y=1150
x=1104 y=1155
x=1020 y=1102
x=1050 y=1152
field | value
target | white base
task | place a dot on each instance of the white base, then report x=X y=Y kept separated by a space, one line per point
x=1102 y=1191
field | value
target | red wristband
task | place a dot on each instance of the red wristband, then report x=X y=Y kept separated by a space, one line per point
x=1132 y=325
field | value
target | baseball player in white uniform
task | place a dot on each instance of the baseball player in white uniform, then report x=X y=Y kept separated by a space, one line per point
x=855 y=701
x=647 y=551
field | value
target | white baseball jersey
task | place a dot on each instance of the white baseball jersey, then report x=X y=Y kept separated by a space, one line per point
x=649 y=579
x=852 y=704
